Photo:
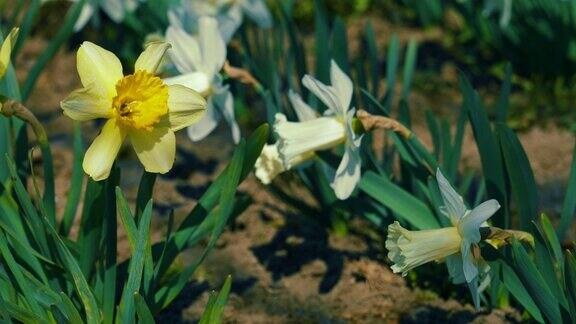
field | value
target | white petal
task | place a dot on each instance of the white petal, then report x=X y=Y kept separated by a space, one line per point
x=85 y=104
x=303 y=111
x=84 y=17
x=343 y=85
x=101 y=154
x=185 y=107
x=468 y=266
x=114 y=9
x=348 y=172
x=225 y=102
x=305 y=138
x=258 y=12
x=470 y=224
x=452 y=200
x=212 y=46
x=185 y=51
x=473 y=286
x=326 y=94
x=156 y=149
x=206 y=125
x=151 y=57
x=455 y=268
x=197 y=81
x=99 y=68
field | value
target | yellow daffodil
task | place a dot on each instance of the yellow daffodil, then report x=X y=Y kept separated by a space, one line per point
x=410 y=249
x=139 y=106
x=6 y=50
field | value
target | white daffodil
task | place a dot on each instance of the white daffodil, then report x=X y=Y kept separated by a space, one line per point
x=200 y=59
x=334 y=128
x=269 y=164
x=139 y=107
x=229 y=14
x=115 y=9
x=410 y=249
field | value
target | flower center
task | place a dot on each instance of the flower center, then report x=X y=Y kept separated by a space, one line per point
x=141 y=100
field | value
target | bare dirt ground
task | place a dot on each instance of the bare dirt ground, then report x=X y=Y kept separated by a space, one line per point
x=286 y=270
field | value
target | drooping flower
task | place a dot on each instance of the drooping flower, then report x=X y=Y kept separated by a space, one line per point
x=228 y=13
x=200 y=59
x=139 y=106
x=269 y=164
x=410 y=249
x=6 y=50
x=326 y=132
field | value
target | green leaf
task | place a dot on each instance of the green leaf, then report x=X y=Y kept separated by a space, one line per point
x=409 y=67
x=570 y=281
x=522 y=182
x=516 y=288
x=340 y=45
x=569 y=206
x=502 y=103
x=168 y=292
x=391 y=69
x=126 y=312
x=144 y=314
x=404 y=205
x=490 y=155
x=76 y=183
x=532 y=279
x=215 y=309
x=80 y=283
x=321 y=37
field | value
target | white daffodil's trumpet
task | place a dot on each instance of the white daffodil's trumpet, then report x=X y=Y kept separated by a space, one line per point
x=200 y=59
x=410 y=249
x=329 y=131
x=6 y=50
x=228 y=13
x=269 y=164
x=140 y=107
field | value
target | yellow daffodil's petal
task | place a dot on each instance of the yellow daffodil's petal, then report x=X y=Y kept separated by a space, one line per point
x=156 y=149
x=86 y=104
x=101 y=154
x=99 y=67
x=6 y=50
x=151 y=57
x=185 y=107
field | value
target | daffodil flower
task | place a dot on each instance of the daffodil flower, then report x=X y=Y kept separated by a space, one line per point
x=229 y=13
x=139 y=106
x=200 y=60
x=410 y=249
x=6 y=50
x=115 y=9
x=269 y=164
x=326 y=132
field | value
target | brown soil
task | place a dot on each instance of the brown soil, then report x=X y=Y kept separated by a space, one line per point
x=285 y=269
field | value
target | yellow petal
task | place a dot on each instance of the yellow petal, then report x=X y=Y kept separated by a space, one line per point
x=101 y=154
x=100 y=68
x=185 y=107
x=6 y=50
x=156 y=149
x=86 y=104
x=151 y=57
